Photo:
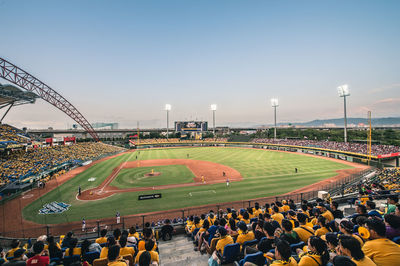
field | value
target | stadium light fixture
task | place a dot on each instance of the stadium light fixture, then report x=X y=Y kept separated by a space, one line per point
x=167 y=108
x=274 y=104
x=344 y=92
x=213 y=108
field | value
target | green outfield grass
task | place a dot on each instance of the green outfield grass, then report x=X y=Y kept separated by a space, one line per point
x=265 y=173
x=170 y=174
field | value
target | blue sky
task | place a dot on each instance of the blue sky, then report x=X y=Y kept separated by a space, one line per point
x=122 y=61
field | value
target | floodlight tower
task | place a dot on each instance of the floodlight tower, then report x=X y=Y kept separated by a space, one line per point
x=167 y=108
x=274 y=103
x=344 y=92
x=213 y=108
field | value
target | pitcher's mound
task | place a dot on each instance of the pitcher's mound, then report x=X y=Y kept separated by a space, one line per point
x=153 y=174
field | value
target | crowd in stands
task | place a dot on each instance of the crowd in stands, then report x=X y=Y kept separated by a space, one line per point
x=174 y=140
x=312 y=234
x=279 y=233
x=380 y=184
x=116 y=248
x=333 y=145
x=9 y=133
x=20 y=163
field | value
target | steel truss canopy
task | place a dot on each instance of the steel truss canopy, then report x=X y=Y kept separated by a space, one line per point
x=23 y=79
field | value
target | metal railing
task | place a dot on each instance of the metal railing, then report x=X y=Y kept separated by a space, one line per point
x=138 y=220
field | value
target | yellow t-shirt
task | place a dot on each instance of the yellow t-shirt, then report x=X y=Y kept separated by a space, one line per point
x=10 y=253
x=310 y=260
x=286 y=208
x=116 y=263
x=321 y=231
x=153 y=254
x=136 y=235
x=101 y=240
x=328 y=215
x=277 y=217
x=303 y=234
x=75 y=251
x=382 y=251
x=142 y=243
x=223 y=242
x=364 y=262
x=104 y=253
x=292 y=262
x=245 y=237
x=246 y=221
x=126 y=251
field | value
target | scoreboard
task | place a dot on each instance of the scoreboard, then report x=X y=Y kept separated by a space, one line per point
x=191 y=126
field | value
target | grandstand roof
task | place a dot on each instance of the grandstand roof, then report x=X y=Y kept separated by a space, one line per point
x=11 y=94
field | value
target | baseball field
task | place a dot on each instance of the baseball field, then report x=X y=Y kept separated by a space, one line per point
x=184 y=176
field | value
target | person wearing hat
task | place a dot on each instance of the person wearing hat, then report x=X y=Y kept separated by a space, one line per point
x=346 y=228
x=285 y=206
x=379 y=249
x=325 y=212
x=18 y=259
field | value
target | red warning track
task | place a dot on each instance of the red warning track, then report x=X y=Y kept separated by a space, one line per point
x=212 y=173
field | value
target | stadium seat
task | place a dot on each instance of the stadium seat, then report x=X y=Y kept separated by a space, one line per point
x=91 y=256
x=129 y=258
x=249 y=243
x=299 y=245
x=396 y=240
x=231 y=253
x=252 y=258
x=100 y=262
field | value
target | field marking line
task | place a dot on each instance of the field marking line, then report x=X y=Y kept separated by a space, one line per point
x=116 y=173
x=201 y=192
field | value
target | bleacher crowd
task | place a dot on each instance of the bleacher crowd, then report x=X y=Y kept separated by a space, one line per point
x=333 y=145
x=9 y=133
x=21 y=164
x=280 y=233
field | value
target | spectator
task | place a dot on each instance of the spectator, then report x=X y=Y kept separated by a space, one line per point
x=40 y=257
x=283 y=254
x=325 y=212
x=144 y=259
x=124 y=250
x=349 y=246
x=288 y=234
x=392 y=223
x=15 y=245
x=304 y=232
x=346 y=227
x=332 y=243
x=18 y=259
x=66 y=240
x=392 y=201
x=114 y=258
x=147 y=235
x=371 y=208
x=102 y=239
x=167 y=230
x=104 y=251
x=73 y=249
x=318 y=254
x=244 y=234
x=380 y=249
x=337 y=214
x=54 y=248
x=149 y=248
x=133 y=236
x=323 y=227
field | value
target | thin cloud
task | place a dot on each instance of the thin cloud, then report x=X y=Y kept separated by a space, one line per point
x=382 y=89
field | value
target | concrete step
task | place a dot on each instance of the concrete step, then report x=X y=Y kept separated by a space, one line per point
x=179 y=251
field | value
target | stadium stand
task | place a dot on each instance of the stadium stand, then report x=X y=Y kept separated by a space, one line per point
x=333 y=145
x=22 y=164
x=229 y=236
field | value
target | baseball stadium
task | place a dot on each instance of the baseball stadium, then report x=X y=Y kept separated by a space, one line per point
x=191 y=191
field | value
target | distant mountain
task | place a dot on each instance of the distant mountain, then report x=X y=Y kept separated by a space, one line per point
x=338 y=122
x=384 y=121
